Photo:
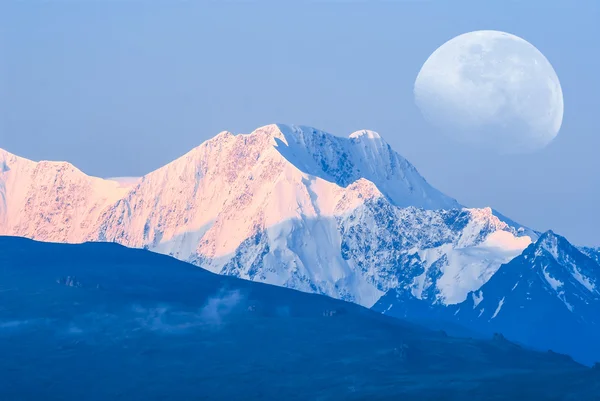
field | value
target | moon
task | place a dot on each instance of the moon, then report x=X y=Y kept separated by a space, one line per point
x=491 y=90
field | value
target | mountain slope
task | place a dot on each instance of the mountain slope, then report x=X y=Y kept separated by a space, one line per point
x=547 y=297
x=593 y=253
x=51 y=201
x=100 y=321
x=292 y=206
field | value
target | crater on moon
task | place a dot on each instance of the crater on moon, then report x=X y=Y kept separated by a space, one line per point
x=492 y=90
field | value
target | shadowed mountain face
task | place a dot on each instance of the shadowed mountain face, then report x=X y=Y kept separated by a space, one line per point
x=593 y=253
x=99 y=321
x=548 y=297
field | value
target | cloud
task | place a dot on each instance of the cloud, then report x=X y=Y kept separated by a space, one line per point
x=218 y=307
x=167 y=319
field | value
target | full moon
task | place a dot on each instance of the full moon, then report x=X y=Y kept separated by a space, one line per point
x=491 y=90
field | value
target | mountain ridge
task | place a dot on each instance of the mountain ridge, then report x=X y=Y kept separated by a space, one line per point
x=344 y=217
x=547 y=297
x=156 y=328
x=288 y=205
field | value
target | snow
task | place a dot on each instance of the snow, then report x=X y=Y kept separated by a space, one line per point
x=562 y=297
x=498 y=308
x=477 y=298
x=549 y=243
x=365 y=133
x=51 y=201
x=469 y=267
x=583 y=280
x=550 y=270
x=554 y=283
x=286 y=205
x=420 y=283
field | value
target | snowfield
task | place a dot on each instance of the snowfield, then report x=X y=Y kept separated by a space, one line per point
x=285 y=205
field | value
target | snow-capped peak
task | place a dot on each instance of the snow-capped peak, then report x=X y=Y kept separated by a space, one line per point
x=550 y=265
x=544 y=297
x=364 y=155
x=51 y=201
x=365 y=133
x=548 y=242
x=331 y=158
x=553 y=251
x=288 y=205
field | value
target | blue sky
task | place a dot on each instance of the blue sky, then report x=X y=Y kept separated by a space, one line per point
x=121 y=88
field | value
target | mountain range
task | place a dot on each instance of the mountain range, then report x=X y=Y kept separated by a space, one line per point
x=547 y=297
x=297 y=207
x=100 y=321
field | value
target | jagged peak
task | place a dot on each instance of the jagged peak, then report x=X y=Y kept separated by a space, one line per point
x=270 y=131
x=486 y=215
x=274 y=132
x=483 y=212
x=549 y=242
x=304 y=136
x=549 y=234
x=340 y=160
x=290 y=131
x=337 y=159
